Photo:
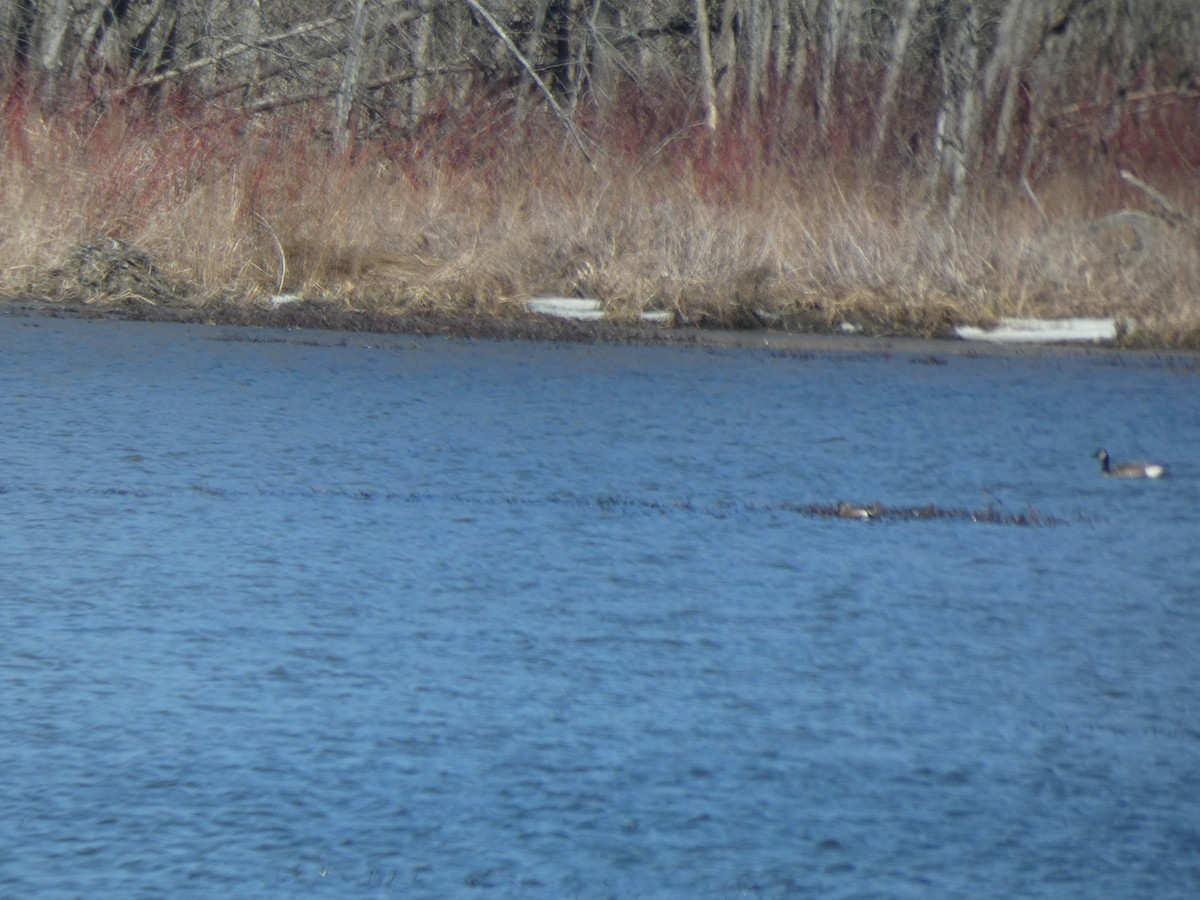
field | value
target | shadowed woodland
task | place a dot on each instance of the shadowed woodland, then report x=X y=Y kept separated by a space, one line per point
x=901 y=165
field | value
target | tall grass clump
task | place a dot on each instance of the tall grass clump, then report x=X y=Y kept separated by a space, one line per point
x=746 y=227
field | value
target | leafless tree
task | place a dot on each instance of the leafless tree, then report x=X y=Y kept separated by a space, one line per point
x=957 y=86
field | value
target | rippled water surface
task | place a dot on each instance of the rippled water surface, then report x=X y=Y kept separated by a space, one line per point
x=292 y=614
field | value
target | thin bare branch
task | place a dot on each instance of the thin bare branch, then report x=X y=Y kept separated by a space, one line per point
x=513 y=49
x=264 y=41
x=1171 y=212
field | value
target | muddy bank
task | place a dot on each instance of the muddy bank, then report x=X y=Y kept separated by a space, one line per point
x=525 y=326
x=107 y=278
x=328 y=317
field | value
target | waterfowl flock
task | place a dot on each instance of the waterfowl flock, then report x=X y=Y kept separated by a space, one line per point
x=1136 y=469
x=873 y=512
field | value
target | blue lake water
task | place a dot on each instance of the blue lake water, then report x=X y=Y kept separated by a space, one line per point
x=289 y=614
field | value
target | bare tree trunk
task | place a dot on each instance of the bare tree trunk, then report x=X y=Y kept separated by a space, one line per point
x=831 y=42
x=558 y=23
x=239 y=48
x=148 y=39
x=16 y=24
x=513 y=49
x=792 y=47
x=757 y=22
x=725 y=57
x=1045 y=69
x=347 y=93
x=49 y=51
x=419 y=92
x=956 y=132
x=708 y=86
x=603 y=24
x=1122 y=32
x=783 y=55
x=991 y=72
x=89 y=39
x=887 y=98
x=1008 y=59
x=583 y=31
x=238 y=24
x=123 y=42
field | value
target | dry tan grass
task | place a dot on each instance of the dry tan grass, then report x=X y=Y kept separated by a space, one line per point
x=274 y=212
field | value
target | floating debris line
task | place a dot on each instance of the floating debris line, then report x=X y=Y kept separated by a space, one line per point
x=604 y=503
x=722 y=510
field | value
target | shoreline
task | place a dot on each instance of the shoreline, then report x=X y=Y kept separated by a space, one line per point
x=536 y=327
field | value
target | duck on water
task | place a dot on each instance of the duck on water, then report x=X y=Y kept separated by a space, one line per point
x=847 y=510
x=1129 y=469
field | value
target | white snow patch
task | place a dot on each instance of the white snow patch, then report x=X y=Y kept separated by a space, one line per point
x=1042 y=331
x=566 y=307
x=574 y=308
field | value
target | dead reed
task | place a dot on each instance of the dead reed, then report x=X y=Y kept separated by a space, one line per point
x=478 y=219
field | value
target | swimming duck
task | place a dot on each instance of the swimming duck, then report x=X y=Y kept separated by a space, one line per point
x=1129 y=469
x=847 y=510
